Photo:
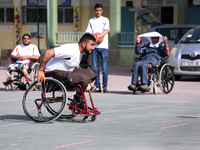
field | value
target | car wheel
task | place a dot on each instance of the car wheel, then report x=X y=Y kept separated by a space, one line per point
x=177 y=77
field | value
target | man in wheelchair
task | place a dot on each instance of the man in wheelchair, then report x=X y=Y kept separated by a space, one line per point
x=21 y=57
x=61 y=62
x=151 y=54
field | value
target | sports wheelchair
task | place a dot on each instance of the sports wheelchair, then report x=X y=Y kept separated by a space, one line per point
x=161 y=75
x=16 y=80
x=54 y=99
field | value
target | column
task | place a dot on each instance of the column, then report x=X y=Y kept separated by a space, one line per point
x=52 y=23
x=18 y=21
x=115 y=23
x=182 y=11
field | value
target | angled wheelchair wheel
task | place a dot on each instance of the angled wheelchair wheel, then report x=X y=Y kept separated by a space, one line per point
x=33 y=75
x=67 y=112
x=47 y=103
x=166 y=78
x=34 y=71
x=155 y=91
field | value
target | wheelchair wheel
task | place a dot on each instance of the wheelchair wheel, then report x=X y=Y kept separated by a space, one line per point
x=67 y=112
x=155 y=87
x=47 y=103
x=166 y=78
x=34 y=71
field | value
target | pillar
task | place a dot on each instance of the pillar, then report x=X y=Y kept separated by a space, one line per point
x=182 y=11
x=115 y=23
x=52 y=23
x=18 y=21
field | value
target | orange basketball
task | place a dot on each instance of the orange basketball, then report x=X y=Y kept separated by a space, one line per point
x=100 y=39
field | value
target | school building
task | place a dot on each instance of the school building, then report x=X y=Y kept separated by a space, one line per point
x=62 y=21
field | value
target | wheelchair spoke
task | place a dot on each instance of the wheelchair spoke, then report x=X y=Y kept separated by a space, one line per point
x=47 y=103
x=166 y=78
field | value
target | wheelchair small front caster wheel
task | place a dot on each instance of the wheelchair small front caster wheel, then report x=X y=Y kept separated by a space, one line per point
x=84 y=119
x=40 y=116
x=155 y=91
x=93 y=118
x=6 y=87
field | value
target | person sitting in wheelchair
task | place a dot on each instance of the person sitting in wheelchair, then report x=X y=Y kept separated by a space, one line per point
x=150 y=53
x=23 y=54
x=61 y=62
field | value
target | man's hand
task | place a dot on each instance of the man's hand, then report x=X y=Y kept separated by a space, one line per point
x=41 y=76
x=165 y=39
x=22 y=57
x=138 y=39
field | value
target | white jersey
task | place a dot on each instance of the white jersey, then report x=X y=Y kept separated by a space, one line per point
x=96 y=25
x=22 y=50
x=66 y=58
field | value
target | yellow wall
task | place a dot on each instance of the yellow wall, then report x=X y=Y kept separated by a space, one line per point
x=7 y=39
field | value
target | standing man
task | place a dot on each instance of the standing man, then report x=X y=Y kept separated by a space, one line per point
x=99 y=26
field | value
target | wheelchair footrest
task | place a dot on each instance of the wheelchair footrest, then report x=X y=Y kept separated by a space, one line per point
x=8 y=82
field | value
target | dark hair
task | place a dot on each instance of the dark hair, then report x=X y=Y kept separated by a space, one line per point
x=98 y=5
x=26 y=34
x=86 y=37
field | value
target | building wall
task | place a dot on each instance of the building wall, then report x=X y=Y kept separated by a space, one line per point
x=86 y=11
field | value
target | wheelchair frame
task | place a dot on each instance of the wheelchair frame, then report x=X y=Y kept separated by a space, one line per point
x=51 y=101
x=19 y=80
x=161 y=76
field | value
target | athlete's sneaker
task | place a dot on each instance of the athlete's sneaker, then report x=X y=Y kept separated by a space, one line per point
x=132 y=87
x=144 y=87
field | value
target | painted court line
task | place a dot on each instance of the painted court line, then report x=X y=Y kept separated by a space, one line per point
x=174 y=126
x=127 y=109
x=7 y=125
x=60 y=146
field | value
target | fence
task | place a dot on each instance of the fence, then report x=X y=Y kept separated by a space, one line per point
x=126 y=38
x=68 y=37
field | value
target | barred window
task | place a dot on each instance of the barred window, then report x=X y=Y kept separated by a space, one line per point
x=6 y=15
x=164 y=14
x=65 y=15
x=30 y=15
x=167 y=15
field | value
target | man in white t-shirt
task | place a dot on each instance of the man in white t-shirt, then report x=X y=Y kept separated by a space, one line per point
x=23 y=54
x=101 y=25
x=62 y=62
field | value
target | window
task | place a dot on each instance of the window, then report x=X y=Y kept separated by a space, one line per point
x=167 y=15
x=30 y=14
x=65 y=15
x=6 y=15
x=190 y=2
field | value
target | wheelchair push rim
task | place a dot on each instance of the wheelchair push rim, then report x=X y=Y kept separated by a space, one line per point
x=47 y=102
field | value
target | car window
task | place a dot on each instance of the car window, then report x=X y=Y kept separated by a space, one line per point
x=172 y=34
x=192 y=36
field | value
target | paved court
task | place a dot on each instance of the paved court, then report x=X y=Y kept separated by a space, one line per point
x=143 y=121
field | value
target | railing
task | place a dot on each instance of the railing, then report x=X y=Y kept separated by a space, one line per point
x=68 y=37
x=126 y=38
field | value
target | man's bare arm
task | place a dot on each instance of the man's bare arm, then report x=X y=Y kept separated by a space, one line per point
x=47 y=56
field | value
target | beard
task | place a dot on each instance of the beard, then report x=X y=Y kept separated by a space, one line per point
x=86 y=51
x=26 y=44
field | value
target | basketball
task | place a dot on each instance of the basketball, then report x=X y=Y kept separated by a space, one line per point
x=100 y=39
